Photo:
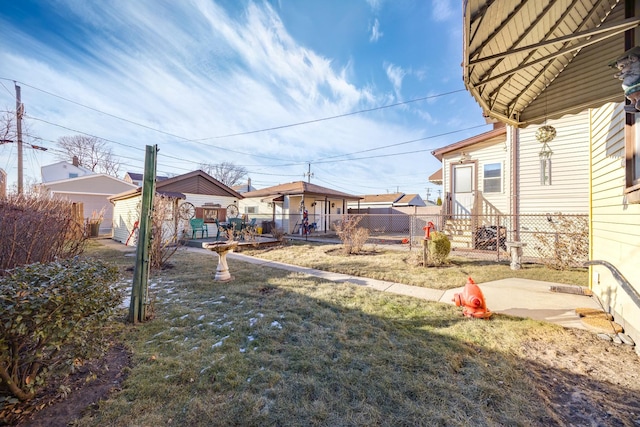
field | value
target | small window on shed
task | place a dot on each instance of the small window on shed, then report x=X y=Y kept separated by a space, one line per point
x=492 y=182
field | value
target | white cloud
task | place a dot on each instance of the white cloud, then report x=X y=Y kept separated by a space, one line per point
x=194 y=71
x=375 y=5
x=395 y=74
x=443 y=10
x=375 y=31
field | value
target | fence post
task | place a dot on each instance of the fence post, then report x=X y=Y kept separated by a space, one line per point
x=498 y=236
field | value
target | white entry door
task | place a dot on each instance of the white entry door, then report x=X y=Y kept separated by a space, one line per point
x=463 y=185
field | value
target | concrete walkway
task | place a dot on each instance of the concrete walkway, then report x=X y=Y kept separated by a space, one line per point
x=516 y=297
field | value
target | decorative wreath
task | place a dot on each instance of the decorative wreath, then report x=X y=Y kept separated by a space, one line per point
x=545 y=133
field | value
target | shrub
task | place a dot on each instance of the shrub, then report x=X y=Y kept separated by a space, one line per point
x=566 y=245
x=277 y=233
x=439 y=248
x=38 y=229
x=164 y=232
x=353 y=237
x=50 y=315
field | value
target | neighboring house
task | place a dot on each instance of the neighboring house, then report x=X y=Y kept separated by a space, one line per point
x=525 y=82
x=91 y=190
x=482 y=188
x=63 y=170
x=137 y=178
x=193 y=195
x=244 y=188
x=283 y=205
x=390 y=213
x=387 y=201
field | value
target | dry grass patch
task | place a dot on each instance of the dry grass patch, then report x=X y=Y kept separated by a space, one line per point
x=403 y=266
x=278 y=348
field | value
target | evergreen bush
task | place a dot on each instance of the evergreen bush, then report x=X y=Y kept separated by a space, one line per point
x=51 y=315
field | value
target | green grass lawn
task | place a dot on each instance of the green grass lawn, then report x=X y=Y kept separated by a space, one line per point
x=279 y=348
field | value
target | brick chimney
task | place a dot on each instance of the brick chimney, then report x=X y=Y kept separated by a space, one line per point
x=75 y=161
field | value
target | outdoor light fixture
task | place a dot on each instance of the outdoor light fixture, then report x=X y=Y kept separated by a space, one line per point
x=333 y=205
x=464 y=157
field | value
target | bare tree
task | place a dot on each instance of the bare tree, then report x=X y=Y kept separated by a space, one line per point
x=7 y=128
x=92 y=153
x=225 y=172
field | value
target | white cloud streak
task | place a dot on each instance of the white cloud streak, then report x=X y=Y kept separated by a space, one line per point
x=375 y=31
x=193 y=70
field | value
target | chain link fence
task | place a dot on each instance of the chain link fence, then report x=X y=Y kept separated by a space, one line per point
x=558 y=240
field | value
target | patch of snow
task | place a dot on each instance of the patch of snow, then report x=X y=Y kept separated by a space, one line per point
x=219 y=343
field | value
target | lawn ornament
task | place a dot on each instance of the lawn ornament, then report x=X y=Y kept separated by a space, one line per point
x=628 y=66
x=427 y=230
x=473 y=301
x=222 y=249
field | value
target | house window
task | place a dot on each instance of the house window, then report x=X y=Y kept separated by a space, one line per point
x=251 y=209
x=73 y=175
x=632 y=159
x=492 y=178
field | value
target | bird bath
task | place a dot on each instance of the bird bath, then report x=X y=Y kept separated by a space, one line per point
x=222 y=249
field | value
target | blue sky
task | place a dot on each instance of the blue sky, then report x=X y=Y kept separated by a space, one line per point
x=255 y=83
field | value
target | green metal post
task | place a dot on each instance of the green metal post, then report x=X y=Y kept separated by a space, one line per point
x=137 y=308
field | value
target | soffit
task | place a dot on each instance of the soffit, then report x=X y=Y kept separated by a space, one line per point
x=528 y=60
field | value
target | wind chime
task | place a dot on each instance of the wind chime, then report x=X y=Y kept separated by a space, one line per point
x=545 y=135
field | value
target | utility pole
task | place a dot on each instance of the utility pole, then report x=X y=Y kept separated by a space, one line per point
x=19 y=112
x=139 y=288
x=309 y=174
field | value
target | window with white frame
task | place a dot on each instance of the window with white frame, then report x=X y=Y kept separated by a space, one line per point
x=492 y=178
x=251 y=209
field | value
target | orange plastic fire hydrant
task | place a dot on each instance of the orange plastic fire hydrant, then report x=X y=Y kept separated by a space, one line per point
x=472 y=300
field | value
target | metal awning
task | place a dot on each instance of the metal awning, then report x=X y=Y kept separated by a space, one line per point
x=529 y=60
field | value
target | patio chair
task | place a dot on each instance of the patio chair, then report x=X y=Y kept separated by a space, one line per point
x=221 y=227
x=197 y=224
x=236 y=225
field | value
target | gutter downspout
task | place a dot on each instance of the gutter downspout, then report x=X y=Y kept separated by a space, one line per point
x=515 y=198
x=590 y=195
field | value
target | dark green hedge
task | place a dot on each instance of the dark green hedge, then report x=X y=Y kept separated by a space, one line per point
x=49 y=314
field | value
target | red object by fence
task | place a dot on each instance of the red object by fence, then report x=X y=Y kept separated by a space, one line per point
x=473 y=301
x=427 y=229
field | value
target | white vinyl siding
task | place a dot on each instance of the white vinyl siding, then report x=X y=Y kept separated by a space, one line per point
x=199 y=200
x=569 y=189
x=125 y=215
x=615 y=224
x=487 y=152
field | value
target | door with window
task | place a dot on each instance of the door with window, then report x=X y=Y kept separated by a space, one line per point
x=463 y=183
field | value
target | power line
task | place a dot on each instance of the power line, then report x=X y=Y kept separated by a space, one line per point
x=401 y=143
x=366 y=110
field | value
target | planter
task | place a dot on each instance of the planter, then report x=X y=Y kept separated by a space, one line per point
x=94 y=230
